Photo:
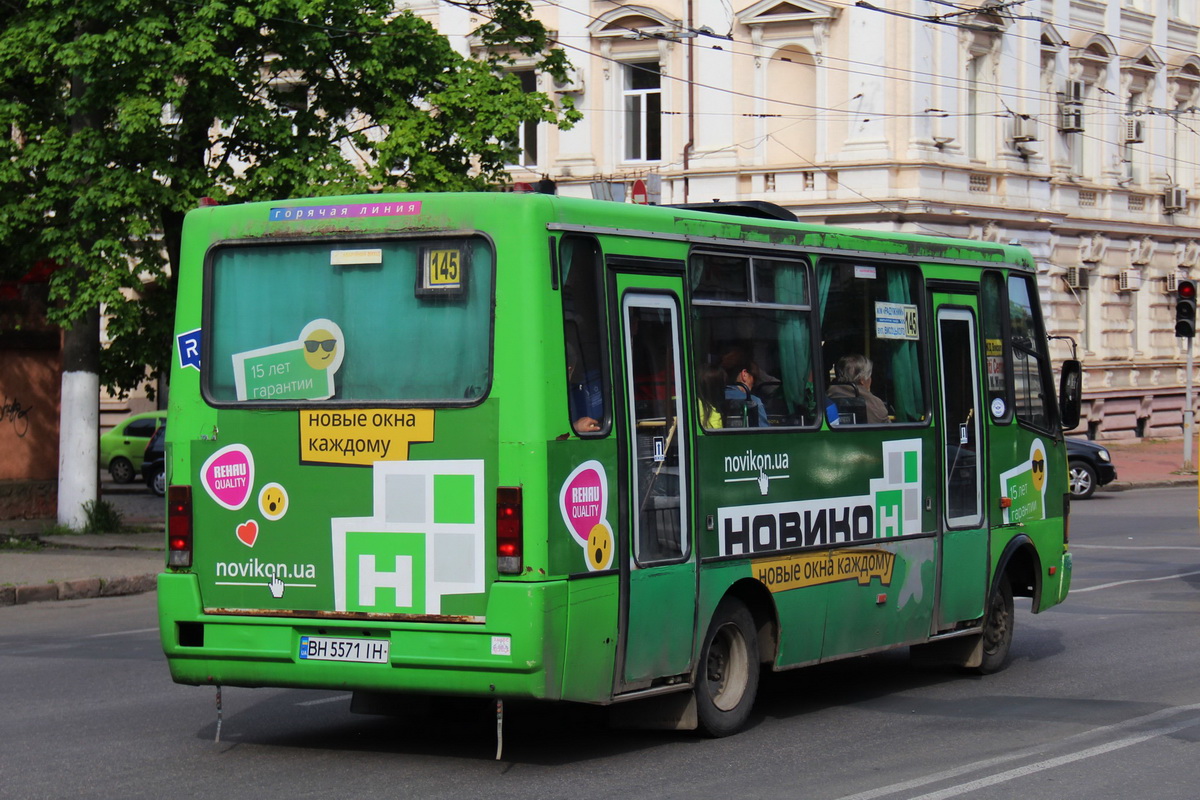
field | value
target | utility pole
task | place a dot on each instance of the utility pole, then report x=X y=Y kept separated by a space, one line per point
x=1185 y=328
x=79 y=414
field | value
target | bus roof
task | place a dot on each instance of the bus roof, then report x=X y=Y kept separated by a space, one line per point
x=723 y=225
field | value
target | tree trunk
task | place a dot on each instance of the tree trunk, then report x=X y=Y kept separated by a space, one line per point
x=79 y=420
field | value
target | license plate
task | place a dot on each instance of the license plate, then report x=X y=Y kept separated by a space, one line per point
x=324 y=648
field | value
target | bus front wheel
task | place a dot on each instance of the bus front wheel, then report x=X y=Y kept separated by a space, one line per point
x=727 y=676
x=997 y=629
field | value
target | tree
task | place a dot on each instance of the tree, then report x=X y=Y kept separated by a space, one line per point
x=125 y=113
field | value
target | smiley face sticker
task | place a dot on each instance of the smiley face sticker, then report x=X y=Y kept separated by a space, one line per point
x=583 y=501
x=322 y=346
x=599 y=547
x=273 y=501
x=1037 y=466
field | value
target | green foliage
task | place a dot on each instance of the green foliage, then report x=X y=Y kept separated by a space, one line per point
x=102 y=517
x=124 y=113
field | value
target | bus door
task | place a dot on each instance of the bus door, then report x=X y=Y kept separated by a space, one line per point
x=657 y=559
x=962 y=566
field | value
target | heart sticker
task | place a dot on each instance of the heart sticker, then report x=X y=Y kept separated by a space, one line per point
x=247 y=532
x=584 y=498
x=228 y=476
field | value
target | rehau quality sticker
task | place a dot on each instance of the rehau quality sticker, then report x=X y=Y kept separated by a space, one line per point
x=583 y=502
x=228 y=476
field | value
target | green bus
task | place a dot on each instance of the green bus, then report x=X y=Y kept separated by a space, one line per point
x=519 y=446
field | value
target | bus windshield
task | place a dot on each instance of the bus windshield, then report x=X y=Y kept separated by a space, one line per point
x=402 y=321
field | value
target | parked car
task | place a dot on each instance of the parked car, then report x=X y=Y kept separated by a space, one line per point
x=154 y=464
x=1091 y=466
x=122 y=448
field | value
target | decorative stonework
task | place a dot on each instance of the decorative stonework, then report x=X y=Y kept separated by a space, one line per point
x=1092 y=250
x=1142 y=250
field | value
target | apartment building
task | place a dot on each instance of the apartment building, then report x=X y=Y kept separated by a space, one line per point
x=1071 y=126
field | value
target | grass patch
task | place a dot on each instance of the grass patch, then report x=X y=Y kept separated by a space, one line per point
x=102 y=517
x=19 y=544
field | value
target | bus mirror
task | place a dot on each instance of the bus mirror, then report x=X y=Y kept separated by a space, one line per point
x=1070 y=393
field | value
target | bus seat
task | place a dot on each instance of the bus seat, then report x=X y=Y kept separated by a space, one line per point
x=851 y=410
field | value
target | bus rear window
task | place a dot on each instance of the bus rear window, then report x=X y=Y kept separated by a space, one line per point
x=386 y=321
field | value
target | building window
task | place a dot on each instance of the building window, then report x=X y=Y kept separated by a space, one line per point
x=976 y=84
x=527 y=134
x=643 y=111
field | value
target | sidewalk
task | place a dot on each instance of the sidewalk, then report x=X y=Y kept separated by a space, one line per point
x=1143 y=463
x=75 y=566
x=69 y=567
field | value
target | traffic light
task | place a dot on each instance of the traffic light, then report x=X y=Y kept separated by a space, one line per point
x=1185 y=308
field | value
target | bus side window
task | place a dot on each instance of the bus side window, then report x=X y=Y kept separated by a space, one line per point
x=583 y=300
x=752 y=313
x=1030 y=359
x=871 y=343
x=992 y=300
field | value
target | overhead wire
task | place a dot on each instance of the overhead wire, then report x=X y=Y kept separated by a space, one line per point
x=1099 y=112
x=889 y=72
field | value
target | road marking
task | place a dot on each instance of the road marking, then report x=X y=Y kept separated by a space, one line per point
x=1051 y=763
x=1026 y=752
x=324 y=700
x=1134 y=580
x=1131 y=547
x=122 y=633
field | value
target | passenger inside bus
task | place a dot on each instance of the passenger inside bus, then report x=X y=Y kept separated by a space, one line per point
x=851 y=392
x=710 y=389
x=585 y=395
x=745 y=408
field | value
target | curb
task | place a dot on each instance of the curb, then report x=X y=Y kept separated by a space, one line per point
x=1125 y=486
x=80 y=589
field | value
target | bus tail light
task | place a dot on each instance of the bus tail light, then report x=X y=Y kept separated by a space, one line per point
x=179 y=526
x=508 y=530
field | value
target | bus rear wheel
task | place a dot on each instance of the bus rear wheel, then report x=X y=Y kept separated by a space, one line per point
x=727 y=677
x=997 y=629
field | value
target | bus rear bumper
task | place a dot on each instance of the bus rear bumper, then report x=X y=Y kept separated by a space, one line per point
x=505 y=657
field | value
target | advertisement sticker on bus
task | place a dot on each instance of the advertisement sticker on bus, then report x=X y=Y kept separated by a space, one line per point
x=189 y=349
x=424 y=541
x=1025 y=486
x=302 y=369
x=583 y=501
x=228 y=476
x=327 y=211
x=362 y=436
x=891 y=507
x=830 y=566
x=273 y=501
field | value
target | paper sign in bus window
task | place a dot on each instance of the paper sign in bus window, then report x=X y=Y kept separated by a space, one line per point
x=302 y=369
x=896 y=321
